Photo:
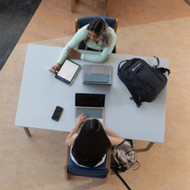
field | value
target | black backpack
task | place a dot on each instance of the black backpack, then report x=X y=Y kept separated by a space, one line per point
x=142 y=80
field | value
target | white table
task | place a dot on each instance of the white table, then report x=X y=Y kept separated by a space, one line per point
x=41 y=92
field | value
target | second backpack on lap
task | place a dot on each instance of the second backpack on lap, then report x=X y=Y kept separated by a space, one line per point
x=142 y=80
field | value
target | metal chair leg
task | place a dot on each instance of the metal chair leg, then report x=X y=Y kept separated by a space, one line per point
x=27 y=131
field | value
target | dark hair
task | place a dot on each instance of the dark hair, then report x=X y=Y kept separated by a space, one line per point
x=98 y=26
x=91 y=144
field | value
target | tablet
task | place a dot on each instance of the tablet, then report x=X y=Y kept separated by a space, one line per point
x=68 y=71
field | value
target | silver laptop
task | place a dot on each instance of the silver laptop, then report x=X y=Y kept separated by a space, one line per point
x=97 y=74
x=90 y=104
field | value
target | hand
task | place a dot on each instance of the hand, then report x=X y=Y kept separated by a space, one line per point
x=73 y=54
x=81 y=118
x=55 y=68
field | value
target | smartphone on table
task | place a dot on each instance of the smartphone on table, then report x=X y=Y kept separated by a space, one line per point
x=57 y=113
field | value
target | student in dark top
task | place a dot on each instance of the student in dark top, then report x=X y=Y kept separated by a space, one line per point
x=89 y=146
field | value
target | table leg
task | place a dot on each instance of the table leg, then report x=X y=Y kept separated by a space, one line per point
x=107 y=7
x=27 y=131
x=73 y=2
x=188 y=2
x=145 y=149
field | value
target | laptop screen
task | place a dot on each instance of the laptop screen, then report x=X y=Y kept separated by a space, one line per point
x=89 y=100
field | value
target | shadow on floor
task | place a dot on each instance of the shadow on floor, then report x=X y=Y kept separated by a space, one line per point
x=14 y=17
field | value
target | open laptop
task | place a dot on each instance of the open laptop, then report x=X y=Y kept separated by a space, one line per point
x=97 y=74
x=90 y=104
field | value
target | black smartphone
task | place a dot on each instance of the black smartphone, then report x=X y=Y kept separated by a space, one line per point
x=57 y=113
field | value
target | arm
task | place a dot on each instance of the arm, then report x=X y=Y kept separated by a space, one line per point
x=77 y=38
x=113 y=136
x=73 y=134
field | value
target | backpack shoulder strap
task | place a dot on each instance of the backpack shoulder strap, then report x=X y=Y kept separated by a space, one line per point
x=123 y=181
x=158 y=62
x=163 y=70
x=119 y=66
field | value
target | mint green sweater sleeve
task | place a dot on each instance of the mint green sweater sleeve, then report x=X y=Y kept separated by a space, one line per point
x=81 y=35
x=77 y=38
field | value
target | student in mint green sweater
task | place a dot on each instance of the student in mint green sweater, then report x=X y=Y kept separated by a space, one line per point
x=96 y=35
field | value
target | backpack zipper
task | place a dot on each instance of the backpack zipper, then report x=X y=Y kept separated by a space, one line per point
x=133 y=69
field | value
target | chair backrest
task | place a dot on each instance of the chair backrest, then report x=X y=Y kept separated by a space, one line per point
x=102 y=171
x=80 y=22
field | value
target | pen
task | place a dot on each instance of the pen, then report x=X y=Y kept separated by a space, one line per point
x=50 y=69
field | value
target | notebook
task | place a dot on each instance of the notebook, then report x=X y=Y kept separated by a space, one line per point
x=90 y=104
x=68 y=71
x=97 y=74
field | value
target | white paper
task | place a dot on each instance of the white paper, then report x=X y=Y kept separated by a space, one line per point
x=68 y=70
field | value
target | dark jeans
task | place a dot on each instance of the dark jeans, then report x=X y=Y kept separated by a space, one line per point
x=82 y=45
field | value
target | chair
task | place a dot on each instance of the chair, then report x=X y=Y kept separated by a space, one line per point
x=80 y=22
x=102 y=171
x=112 y=22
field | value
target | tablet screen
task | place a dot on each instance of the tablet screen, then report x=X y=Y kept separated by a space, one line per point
x=68 y=70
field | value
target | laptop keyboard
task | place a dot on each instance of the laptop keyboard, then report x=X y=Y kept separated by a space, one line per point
x=102 y=78
x=91 y=113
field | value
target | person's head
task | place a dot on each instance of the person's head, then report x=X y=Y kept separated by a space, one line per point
x=91 y=143
x=97 y=30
